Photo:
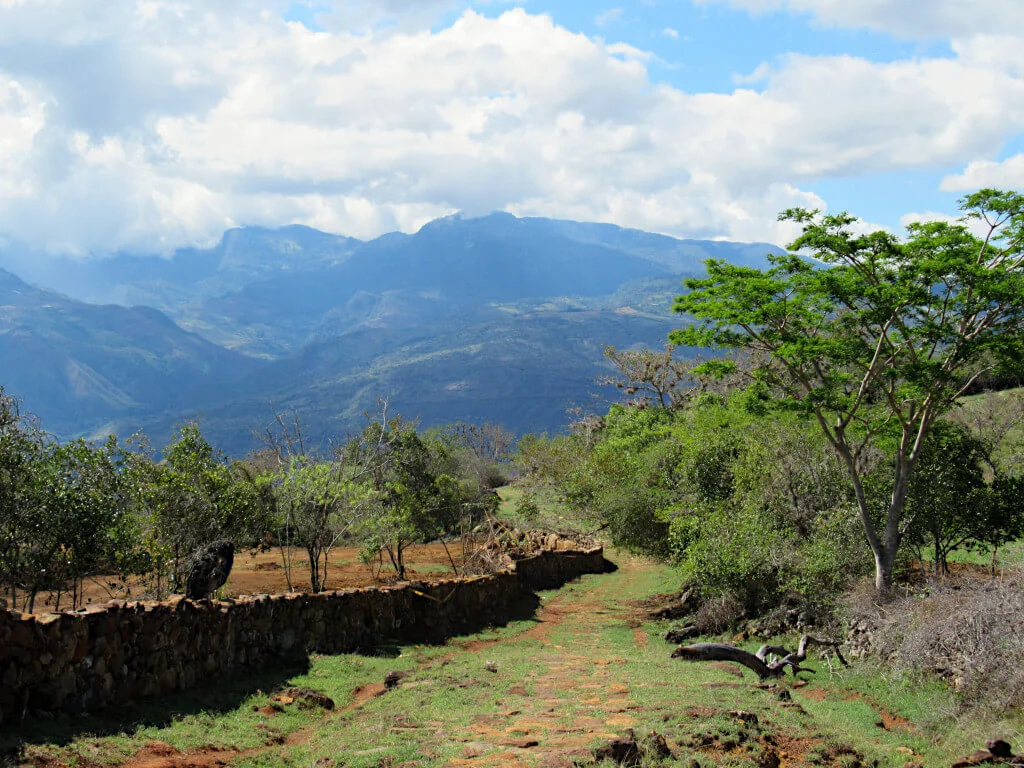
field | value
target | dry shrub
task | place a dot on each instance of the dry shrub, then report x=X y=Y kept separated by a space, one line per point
x=972 y=636
x=861 y=602
x=718 y=614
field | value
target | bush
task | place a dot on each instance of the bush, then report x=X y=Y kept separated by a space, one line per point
x=718 y=614
x=527 y=507
x=632 y=517
x=973 y=637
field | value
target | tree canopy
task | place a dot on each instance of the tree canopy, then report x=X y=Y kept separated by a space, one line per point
x=874 y=336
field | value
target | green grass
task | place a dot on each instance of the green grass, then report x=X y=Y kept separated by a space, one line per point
x=1009 y=556
x=552 y=514
x=578 y=677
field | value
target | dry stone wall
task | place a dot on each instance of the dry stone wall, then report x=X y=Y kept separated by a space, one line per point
x=86 y=660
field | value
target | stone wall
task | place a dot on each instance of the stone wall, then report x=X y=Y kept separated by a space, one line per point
x=86 y=660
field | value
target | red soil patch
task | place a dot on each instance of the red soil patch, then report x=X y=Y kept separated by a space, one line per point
x=815 y=694
x=891 y=722
x=363 y=694
x=262 y=573
x=157 y=754
x=886 y=719
x=476 y=645
x=791 y=749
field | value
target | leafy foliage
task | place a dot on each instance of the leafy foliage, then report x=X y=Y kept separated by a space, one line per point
x=875 y=335
x=66 y=511
x=412 y=501
x=197 y=496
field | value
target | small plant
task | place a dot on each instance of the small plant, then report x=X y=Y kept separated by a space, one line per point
x=527 y=507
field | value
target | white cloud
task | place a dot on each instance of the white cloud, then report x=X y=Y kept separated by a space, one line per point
x=609 y=17
x=914 y=19
x=22 y=118
x=669 y=32
x=760 y=73
x=149 y=124
x=977 y=227
x=1007 y=174
x=629 y=52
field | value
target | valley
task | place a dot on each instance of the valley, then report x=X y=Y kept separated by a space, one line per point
x=495 y=319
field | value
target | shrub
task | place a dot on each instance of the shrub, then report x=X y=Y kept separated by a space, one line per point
x=719 y=614
x=632 y=515
x=527 y=507
x=972 y=636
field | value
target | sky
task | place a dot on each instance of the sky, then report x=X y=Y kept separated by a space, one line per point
x=147 y=125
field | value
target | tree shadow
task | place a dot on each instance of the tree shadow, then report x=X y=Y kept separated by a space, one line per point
x=216 y=697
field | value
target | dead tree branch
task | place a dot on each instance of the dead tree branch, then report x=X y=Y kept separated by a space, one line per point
x=760 y=663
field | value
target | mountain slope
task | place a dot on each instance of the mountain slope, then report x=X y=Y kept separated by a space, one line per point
x=190 y=274
x=492 y=318
x=523 y=371
x=454 y=263
x=81 y=366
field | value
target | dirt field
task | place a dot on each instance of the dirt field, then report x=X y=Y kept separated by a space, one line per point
x=263 y=572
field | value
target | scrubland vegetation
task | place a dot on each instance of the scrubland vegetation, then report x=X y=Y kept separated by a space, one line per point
x=118 y=514
x=832 y=442
x=829 y=465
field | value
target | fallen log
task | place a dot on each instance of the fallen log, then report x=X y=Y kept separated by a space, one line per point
x=720 y=652
x=678 y=635
x=759 y=662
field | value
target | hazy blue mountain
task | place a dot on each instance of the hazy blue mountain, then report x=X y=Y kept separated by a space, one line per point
x=82 y=366
x=525 y=371
x=683 y=256
x=452 y=263
x=493 y=318
x=189 y=274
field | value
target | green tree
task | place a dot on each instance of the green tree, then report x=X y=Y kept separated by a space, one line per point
x=321 y=505
x=21 y=446
x=85 y=514
x=949 y=504
x=197 y=496
x=67 y=511
x=875 y=337
x=411 y=502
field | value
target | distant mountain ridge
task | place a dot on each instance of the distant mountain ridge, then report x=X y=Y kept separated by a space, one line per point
x=81 y=365
x=497 y=317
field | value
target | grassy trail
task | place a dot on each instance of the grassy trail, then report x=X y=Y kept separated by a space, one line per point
x=541 y=691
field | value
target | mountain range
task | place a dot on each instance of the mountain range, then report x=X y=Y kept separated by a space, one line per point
x=496 y=318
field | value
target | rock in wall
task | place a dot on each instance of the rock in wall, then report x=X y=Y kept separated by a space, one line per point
x=86 y=660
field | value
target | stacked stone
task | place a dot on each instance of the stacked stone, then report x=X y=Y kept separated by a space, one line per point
x=108 y=654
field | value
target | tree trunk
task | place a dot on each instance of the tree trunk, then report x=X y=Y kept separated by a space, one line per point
x=401 y=560
x=883 y=555
x=314 y=568
x=884 y=561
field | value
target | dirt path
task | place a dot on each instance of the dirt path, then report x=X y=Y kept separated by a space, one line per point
x=543 y=693
x=572 y=672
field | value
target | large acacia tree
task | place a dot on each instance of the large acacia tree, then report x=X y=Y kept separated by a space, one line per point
x=875 y=336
